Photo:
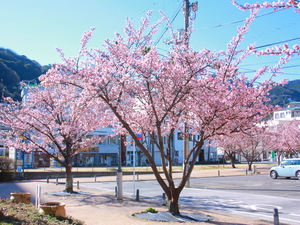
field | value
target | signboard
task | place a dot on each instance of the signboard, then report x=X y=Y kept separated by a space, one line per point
x=19 y=155
x=19 y=169
x=273 y=154
x=12 y=153
x=139 y=136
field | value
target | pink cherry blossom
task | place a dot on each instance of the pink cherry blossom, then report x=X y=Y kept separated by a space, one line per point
x=55 y=120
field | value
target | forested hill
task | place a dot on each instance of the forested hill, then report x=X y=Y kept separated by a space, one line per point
x=282 y=95
x=15 y=68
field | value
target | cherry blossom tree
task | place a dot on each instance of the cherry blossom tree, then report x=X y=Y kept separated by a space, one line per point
x=290 y=142
x=228 y=145
x=275 y=138
x=196 y=93
x=55 y=120
x=284 y=139
x=250 y=144
x=253 y=144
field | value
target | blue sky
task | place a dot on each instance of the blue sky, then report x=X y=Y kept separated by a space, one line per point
x=35 y=27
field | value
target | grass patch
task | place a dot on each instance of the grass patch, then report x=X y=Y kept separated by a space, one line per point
x=25 y=214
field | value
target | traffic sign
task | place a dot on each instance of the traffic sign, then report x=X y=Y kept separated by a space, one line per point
x=139 y=136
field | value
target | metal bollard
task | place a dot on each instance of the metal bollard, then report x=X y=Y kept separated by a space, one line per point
x=164 y=202
x=218 y=173
x=38 y=196
x=56 y=180
x=137 y=176
x=276 y=217
x=246 y=172
x=78 y=184
x=137 y=195
x=48 y=180
x=95 y=178
x=116 y=190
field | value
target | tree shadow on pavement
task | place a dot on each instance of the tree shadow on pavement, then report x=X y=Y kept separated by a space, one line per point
x=110 y=200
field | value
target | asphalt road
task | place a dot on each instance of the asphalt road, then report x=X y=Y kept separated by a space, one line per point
x=257 y=184
x=244 y=196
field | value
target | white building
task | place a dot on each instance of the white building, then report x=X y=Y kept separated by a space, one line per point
x=291 y=112
x=207 y=153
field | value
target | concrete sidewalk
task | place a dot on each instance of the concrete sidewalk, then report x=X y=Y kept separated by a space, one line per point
x=103 y=208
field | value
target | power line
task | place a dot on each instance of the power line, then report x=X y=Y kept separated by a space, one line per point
x=264 y=63
x=293 y=23
x=280 y=42
x=174 y=17
x=252 y=70
x=239 y=21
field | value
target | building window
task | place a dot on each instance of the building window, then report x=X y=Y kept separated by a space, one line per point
x=276 y=115
x=104 y=141
x=113 y=140
x=179 y=136
x=282 y=115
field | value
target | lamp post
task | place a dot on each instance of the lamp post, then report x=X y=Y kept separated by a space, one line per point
x=139 y=137
x=119 y=172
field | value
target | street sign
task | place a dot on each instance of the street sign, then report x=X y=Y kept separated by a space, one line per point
x=139 y=136
x=19 y=155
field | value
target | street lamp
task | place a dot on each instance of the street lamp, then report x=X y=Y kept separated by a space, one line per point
x=119 y=172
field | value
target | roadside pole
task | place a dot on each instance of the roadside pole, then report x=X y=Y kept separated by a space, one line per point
x=120 y=173
x=186 y=8
x=134 y=150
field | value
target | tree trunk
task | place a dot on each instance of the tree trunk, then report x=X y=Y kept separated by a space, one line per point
x=278 y=158
x=232 y=163
x=173 y=203
x=69 y=179
x=250 y=166
x=230 y=155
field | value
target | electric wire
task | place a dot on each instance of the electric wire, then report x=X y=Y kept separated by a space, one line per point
x=252 y=70
x=264 y=63
x=239 y=21
x=166 y=29
x=294 y=23
x=275 y=43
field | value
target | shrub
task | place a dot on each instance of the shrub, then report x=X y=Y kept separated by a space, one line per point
x=7 y=167
x=151 y=210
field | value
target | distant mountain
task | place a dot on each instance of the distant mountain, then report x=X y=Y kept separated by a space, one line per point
x=282 y=95
x=15 y=68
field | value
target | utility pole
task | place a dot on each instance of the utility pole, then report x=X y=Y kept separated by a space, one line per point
x=186 y=42
x=186 y=9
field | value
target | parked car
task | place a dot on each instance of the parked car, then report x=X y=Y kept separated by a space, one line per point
x=287 y=168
